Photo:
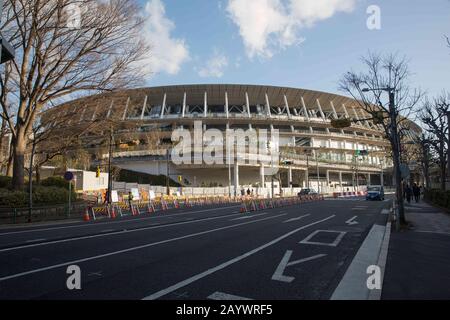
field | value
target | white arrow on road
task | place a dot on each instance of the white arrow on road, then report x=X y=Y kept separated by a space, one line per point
x=298 y=218
x=352 y=221
x=278 y=274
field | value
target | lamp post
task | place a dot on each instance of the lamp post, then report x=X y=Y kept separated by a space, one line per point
x=318 y=173
x=448 y=147
x=307 y=170
x=395 y=141
x=167 y=171
x=109 y=166
x=32 y=138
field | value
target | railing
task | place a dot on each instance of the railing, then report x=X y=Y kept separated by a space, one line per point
x=41 y=213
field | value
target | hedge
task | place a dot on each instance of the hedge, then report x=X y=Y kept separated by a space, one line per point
x=55 y=182
x=42 y=195
x=130 y=176
x=5 y=182
x=438 y=197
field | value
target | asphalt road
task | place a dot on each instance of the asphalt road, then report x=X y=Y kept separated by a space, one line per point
x=296 y=252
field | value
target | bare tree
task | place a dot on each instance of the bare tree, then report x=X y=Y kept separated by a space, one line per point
x=425 y=157
x=385 y=73
x=434 y=117
x=65 y=48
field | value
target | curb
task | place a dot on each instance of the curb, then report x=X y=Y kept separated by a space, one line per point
x=373 y=251
x=382 y=258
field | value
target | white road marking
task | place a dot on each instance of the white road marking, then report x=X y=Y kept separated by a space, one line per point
x=206 y=273
x=108 y=230
x=278 y=274
x=296 y=219
x=34 y=240
x=132 y=249
x=352 y=221
x=111 y=233
x=83 y=225
x=225 y=296
x=250 y=216
x=338 y=239
x=353 y=285
x=385 y=211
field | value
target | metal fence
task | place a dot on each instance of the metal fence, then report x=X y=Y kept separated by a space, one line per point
x=42 y=213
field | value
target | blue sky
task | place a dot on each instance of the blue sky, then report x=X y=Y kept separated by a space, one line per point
x=306 y=44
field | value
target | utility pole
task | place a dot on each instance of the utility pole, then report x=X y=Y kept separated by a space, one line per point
x=109 y=166
x=318 y=174
x=229 y=164
x=396 y=156
x=167 y=171
x=307 y=170
x=30 y=178
x=448 y=146
x=271 y=161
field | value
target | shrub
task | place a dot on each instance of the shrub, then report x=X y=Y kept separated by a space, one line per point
x=438 y=197
x=51 y=195
x=41 y=196
x=5 y=182
x=13 y=198
x=55 y=182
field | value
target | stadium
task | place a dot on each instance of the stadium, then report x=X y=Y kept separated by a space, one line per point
x=311 y=152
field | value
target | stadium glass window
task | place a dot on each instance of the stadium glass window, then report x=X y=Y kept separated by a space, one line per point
x=216 y=108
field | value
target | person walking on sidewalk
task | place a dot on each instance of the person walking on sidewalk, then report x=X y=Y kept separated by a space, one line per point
x=416 y=192
x=408 y=193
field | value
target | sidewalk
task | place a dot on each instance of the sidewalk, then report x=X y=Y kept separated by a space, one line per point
x=418 y=261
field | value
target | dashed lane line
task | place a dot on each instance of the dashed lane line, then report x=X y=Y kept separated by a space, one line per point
x=110 y=233
x=100 y=256
x=115 y=222
x=225 y=296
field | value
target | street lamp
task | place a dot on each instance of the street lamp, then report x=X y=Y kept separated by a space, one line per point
x=396 y=147
x=110 y=155
x=448 y=147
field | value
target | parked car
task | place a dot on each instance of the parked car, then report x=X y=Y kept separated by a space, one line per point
x=375 y=193
x=307 y=192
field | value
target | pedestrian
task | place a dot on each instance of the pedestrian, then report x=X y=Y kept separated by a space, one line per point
x=408 y=192
x=242 y=192
x=416 y=192
x=130 y=199
x=248 y=191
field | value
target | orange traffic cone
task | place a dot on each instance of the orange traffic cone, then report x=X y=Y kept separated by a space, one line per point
x=113 y=213
x=86 y=215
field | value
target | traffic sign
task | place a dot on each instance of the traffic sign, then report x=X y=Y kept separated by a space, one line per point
x=404 y=169
x=68 y=176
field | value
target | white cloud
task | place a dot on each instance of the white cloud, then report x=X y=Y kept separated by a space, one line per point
x=267 y=26
x=167 y=54
x=214 y=66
